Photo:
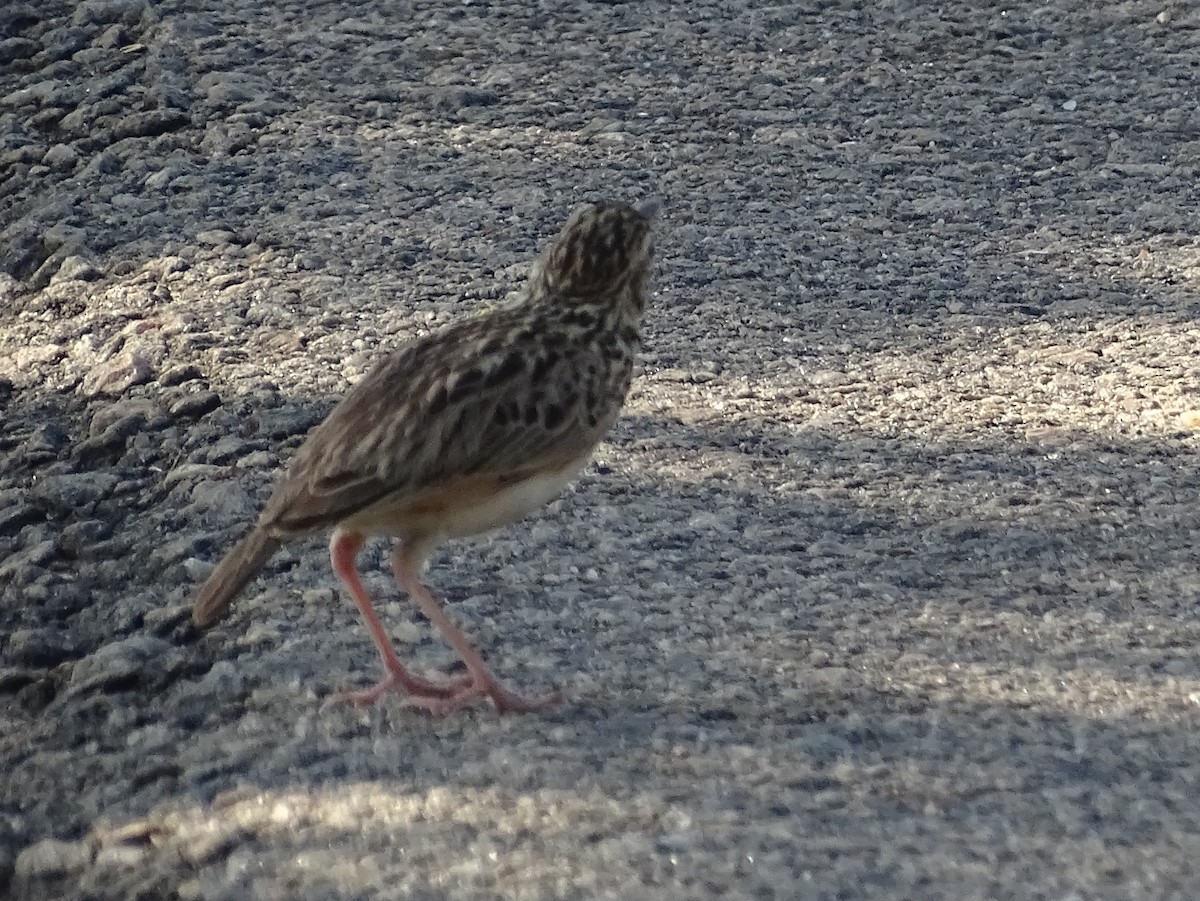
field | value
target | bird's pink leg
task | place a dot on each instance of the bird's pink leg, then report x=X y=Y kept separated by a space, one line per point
x=343 y=551
x=406 y=563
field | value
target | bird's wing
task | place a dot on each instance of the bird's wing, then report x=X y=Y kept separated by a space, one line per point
x=472 y=400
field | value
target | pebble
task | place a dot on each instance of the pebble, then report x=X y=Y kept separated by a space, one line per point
x=116 y=376
x=111 y=38
x=15 y=510
x=81 y=534
x=224 y=499
x=189 y=472
x=75 y=491
x=60 y=156
x=196 y=405
x=122 y=856
x=197 y=570
x=318 y=596
x=41 y=648
x=177 y=375
x=129 y=658
x=17 y=48
x=227 y=449
x=12 y=679
x=28 y=565
x=212 y=845
x=75 y=269
x=51 y=858
x=223 y=681
x=27 y=357
x=122 y=418
x=102 y=12
x=215 y=237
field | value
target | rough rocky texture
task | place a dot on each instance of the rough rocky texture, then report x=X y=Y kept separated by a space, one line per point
x=885 y=587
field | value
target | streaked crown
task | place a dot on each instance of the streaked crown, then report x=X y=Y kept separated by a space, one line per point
x=604 y=249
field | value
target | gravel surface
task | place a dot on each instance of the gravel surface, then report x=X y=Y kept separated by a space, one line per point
x=884 y=587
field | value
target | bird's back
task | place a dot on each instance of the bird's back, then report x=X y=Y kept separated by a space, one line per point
x=508 y=394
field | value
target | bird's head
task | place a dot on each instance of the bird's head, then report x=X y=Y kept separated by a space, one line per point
x=603 y=252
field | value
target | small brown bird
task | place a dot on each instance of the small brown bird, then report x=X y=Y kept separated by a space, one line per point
x=461 y=431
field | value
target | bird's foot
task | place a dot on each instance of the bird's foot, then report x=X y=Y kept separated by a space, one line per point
x=506 y=700
x=423 y=691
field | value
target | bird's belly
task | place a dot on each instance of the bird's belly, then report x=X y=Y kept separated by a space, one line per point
x=511 y=502
x=467 y=506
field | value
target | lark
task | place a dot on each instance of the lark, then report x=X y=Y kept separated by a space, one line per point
x=462 y=431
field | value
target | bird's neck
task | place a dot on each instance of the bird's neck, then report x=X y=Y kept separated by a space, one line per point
x=623 y=305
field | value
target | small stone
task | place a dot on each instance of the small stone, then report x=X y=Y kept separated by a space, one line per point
x=223 y=679
x=227 y=280
x=75 y=269
x=77 y=536
x=73 y=491
x=215 y=237
x=29 y=565
x=103 y=12
x=45 y=442
x=197 y=570
x=163 y=620
x=223 y=498
x=127 y=201
x=10 y=288
x=17 y=48
x=168 y=266
x=60 y=156
x=174 y=550
x=41 y=648
x=229 y=87
x=28 y=357
x=672 y=375
x=177 y=375
x=828 y=378
x=317 y=596
x=16 y=511
x=307 y=261
x=116 y=376
x=207 y=848
x=406 y=632
x=122 y=857
x=195 y=405
x=106 y=163
x=123 y=419
x=228 y=449
x=112 y=38
x=191 y=472
x=51 y=859
x=12 y=679
x=163 y=177
x=137 y=658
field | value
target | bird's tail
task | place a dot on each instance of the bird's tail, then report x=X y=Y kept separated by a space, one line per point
x=236 y=569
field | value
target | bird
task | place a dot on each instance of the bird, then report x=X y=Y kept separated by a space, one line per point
x=461 y=431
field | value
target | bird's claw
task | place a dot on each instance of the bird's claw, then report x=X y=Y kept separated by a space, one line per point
x=421 y=690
